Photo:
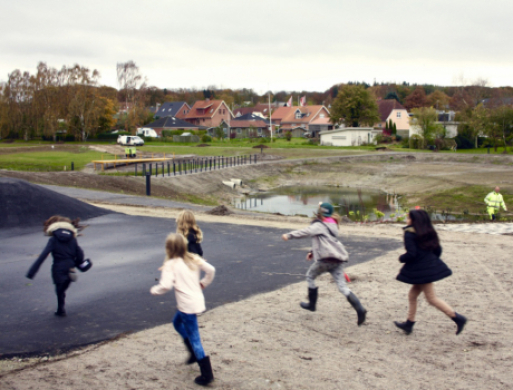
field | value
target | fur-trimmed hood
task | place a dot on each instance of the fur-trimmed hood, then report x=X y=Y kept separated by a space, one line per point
x=409 y=229
x=61 y=225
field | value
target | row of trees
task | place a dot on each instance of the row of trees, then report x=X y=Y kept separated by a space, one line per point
x=70 y=101
x=51 y=100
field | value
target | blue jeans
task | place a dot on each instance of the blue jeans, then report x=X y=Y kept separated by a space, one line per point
x=187 y=326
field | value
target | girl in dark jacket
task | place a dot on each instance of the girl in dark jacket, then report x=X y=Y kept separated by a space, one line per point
x=187 y=227
x=422 y=267
x=66 y=254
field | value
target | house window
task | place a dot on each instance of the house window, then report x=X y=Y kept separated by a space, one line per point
x=259 y=131
x=298 y=114
x=239 y=131
x=398 y=114
x=322 y=116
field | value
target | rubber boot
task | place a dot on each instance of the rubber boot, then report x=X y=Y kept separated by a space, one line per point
x=360 y=310
x=312 y=298
x=207 y=375
x=460 y=322
x=192 y=357
x=407 y=326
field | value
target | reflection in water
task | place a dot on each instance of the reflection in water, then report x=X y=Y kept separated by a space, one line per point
x=301 y=200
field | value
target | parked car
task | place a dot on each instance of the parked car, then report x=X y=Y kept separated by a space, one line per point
x=130 y=140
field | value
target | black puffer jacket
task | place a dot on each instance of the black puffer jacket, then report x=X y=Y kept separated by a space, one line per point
x=194 y=246
x=65 y=251
x=420 y=266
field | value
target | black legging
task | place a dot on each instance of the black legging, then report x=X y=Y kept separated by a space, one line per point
x=60 y=290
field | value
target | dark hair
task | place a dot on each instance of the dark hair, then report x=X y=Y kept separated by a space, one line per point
x=426 y=234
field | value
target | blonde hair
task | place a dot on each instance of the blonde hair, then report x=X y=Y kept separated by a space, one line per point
x=185 y=222
x=176 y=246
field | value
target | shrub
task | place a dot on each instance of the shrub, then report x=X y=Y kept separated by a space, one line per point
x=398 y=138
x=206 y=138
x=415 y=141
x=288 y=135
x=464 y=142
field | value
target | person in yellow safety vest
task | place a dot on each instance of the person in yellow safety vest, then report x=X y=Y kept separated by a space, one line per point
x=494 y=202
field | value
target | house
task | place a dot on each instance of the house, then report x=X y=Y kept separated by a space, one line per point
x=392 y=110
x=175 y=109
x=245 y=126
x=312 y=118
x=172 y=123
x=209 y=113
x=349 y=136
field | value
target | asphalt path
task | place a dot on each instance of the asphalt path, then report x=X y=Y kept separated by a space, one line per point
x=113 y=297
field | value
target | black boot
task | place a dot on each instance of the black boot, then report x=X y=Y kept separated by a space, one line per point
x=192 y=357
x=312 y=297
x=407 y=326
x=460 y=322
x=207 y=375
x=360 y=310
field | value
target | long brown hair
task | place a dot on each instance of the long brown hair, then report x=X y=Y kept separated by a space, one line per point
x=176 y=247
x=185 y=222
x=427 y=238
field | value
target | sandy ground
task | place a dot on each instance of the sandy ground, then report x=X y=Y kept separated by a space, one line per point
x=268 y=342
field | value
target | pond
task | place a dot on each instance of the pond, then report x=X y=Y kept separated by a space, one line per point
x=356 y=203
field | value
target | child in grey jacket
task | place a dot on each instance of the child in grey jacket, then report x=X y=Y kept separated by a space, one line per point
x=328 y=255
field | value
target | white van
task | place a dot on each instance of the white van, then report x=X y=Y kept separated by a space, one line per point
x=130 y=140
x=147 y=132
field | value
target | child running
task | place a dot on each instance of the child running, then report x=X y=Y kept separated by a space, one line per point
x=328 y=255
x=66 y=255
x=181 y=270
x=187 y=227
x=422 y=267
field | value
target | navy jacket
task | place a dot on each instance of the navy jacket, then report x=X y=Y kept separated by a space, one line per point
x=420 y=265
x=194 y=246
x=66 y=253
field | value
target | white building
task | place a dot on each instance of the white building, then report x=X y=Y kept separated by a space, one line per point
x=349 y=136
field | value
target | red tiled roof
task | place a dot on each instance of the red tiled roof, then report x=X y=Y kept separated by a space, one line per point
x=308 y=113
x=205 y=109
x=386 y=106
x=247 y=123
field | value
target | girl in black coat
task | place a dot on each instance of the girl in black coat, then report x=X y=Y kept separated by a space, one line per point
x=66 y=254
x=187 y=227
x=422 y=267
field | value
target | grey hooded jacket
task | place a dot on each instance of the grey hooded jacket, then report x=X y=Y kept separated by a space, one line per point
x=325 y=244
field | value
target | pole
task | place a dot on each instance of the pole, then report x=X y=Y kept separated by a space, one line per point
x=148 y=184
x=270 y=118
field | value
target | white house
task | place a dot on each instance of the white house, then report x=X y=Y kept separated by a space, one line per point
x=349 y=136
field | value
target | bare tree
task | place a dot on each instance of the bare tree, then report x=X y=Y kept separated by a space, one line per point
x=133 y=86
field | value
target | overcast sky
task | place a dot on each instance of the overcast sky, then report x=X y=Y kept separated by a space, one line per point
x=276 y=45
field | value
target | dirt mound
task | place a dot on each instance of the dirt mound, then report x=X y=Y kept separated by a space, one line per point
x=23 y=204
x=219 y=210
x=202 y=145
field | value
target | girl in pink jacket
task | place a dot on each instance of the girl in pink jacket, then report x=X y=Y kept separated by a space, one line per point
x=181 y=271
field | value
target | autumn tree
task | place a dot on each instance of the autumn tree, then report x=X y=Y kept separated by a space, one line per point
x=416 y=99
x=424 y=121
x=354 y=105
x=438 y=100
x=133 y=88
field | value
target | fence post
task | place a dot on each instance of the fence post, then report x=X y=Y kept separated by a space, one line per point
x=174 y=168
x=148 y=183
x=163 y=169
x=72 y=166
x=168 y=169
x=135 y=170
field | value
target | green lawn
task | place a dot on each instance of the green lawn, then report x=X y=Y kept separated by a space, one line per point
x=49 y=160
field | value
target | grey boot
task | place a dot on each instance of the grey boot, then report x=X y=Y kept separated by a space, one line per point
x=360 y=310
x=460 y=322
x=312 y=297
x=407 y=326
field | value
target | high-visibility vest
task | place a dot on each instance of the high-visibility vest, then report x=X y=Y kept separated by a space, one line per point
x=495 y=200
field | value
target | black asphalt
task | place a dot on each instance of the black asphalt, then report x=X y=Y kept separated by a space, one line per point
x=113 y=297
